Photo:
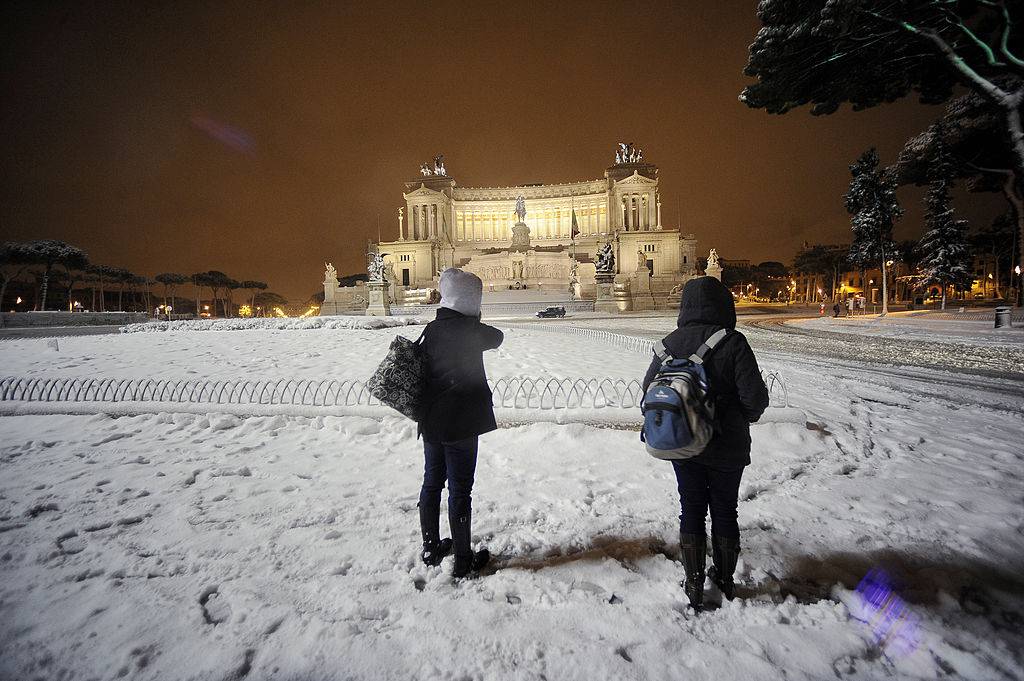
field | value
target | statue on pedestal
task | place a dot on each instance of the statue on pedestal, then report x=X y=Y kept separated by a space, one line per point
x=520 y=208
x=641 y=261
x=575 y=288
x=605 y=262
x=331 y=274
x=714 y=269
x=375 y=268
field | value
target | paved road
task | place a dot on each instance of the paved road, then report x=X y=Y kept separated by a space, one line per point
x=967 y=374
x=775 y=334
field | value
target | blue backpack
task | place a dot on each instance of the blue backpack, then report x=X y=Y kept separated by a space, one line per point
x=678 y=417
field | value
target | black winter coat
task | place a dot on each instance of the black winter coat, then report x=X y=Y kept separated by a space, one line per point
x=458 y=401
x=734 y=380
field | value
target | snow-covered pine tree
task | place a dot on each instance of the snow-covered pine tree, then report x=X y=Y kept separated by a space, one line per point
x=945 y=253
x=873 y=207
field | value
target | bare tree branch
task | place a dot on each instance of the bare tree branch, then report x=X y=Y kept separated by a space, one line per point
x=1004 y=43
x=990 y=55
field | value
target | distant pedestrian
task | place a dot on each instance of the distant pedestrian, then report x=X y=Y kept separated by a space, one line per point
x=458 y=411
x=821 y=308
x=712 y=478
x=849 y=306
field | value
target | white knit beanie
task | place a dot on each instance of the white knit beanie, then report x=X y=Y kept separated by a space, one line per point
x=461 y=291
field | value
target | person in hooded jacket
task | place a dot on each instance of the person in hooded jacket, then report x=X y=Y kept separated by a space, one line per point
x=711 y=479
x=457 y=411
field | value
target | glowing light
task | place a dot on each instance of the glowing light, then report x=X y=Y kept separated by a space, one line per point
x=279 y=312
x=890 y=619
x=245 y=311
x=18 y=301
x=237 y=139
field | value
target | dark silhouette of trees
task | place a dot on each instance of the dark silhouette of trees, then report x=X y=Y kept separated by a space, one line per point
x=267 y=300
x=253 y=287
x=50 y=253
x=15 y=259
x=869 y=52
x=171 y=281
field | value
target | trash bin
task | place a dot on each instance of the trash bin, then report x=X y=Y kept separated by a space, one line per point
x=1002 y=316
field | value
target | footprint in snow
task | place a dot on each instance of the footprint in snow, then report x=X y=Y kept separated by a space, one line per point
x=215 y=607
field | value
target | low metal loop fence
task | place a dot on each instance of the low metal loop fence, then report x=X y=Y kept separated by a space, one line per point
x=515 y=392
x=518 y=392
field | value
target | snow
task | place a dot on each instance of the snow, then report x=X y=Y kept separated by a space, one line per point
x=246 y=324
x=327 y=352
x=285 y=545
x=922 y=327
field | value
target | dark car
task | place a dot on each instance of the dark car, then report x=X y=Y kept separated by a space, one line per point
x=552 y=311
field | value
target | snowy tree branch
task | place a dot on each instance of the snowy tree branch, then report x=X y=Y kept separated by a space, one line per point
x=985 y=87
x=990 y=55
x=1004 y=42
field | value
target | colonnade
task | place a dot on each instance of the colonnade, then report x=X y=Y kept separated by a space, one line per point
x=638 y=212
x=545 y=222
x=424 y=222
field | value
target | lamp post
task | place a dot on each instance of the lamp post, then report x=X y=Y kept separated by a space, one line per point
x=1020 y=281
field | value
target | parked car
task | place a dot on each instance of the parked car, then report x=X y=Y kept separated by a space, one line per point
x=552 y=311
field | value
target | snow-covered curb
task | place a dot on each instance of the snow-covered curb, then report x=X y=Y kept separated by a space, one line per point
x=505 y=416
x=277 y=323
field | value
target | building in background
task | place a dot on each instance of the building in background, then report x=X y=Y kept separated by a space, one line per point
x=443 y=224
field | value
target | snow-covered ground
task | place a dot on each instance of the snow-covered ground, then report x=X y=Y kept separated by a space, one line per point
x=921 y=327
x=337 y=353
x=208 y=546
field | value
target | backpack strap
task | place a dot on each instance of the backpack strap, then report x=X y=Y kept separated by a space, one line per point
x=661 y=352
x=708 y=345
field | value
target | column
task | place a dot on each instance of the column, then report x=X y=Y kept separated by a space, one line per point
x=626 y=204
x=658 y=197
x=401 y=234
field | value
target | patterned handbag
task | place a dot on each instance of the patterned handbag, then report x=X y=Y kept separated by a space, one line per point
x=400 y=380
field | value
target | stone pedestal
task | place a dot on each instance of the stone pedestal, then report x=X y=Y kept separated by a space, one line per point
x=605 y=300
x=714 y=271
x=520 y=237
x=378 y=299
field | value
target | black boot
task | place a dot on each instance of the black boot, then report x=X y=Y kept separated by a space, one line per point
x=725 y=551
x=694 y=552
x=466 y=562
x=434 y=548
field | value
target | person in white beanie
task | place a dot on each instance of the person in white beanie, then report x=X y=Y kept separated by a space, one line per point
x=458 y=410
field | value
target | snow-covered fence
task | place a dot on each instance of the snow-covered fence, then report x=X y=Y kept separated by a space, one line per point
x=518 y=392
x=515 y=392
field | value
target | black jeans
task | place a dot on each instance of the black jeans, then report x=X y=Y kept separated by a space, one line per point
x=701 y=488
x=454 y=462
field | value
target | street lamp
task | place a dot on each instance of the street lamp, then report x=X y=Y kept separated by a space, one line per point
x=1019 y=283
